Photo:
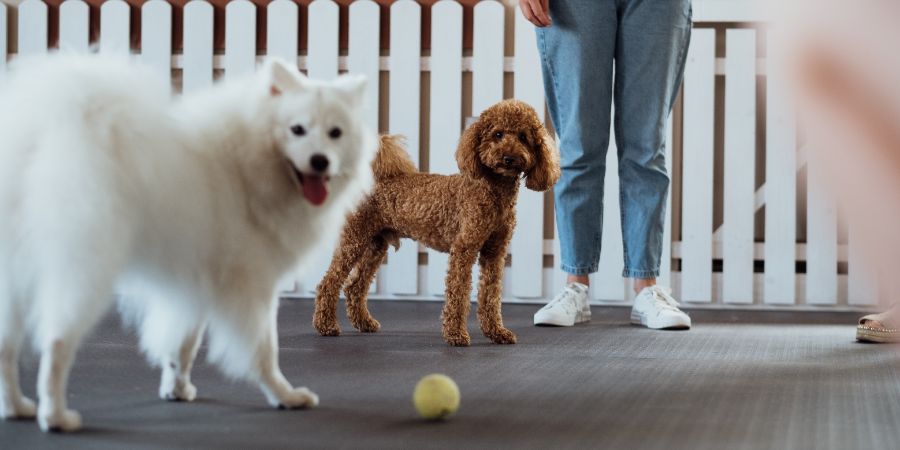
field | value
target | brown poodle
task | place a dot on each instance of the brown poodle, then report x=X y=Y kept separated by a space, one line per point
x=470 y=215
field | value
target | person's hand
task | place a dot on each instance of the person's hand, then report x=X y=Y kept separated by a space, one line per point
x=536 y=11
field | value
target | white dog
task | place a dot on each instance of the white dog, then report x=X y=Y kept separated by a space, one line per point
x=195 y=207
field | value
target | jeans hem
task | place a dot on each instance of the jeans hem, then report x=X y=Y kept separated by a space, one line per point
x=640 y=274
x=571 y=270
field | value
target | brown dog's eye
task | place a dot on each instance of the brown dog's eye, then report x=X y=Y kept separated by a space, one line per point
x=523 y=139
x=498 y=135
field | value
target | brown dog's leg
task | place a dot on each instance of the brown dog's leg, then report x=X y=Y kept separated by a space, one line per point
x=458 y=288
x=353 y=244
x=357 y=288
x=490 y=286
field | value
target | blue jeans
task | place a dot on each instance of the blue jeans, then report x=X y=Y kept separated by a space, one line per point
x=647 y=40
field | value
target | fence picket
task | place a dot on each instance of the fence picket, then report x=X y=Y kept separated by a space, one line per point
x=862 y=289
x=2 y=40
x=156 y=36
x=363 y=52
x=282 y=39
x=527 y=246
x=740 y=162
x=402 y=271
x=446 y=109
x=362 y=58
x=821 y=238
x=282 y=30
x=487 y=55
x=607 y=284
x=665 y=263
x=487 y=64
x=781 y=172
x=32 y=27
x=240 y=38
x=321 y=64
x=322 y=59
x=115 y=27
x=73 y=26
x=557 y=276
x=197 y=69
x=697 y=194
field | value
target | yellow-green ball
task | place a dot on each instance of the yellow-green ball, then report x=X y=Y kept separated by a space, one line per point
x=436 y=396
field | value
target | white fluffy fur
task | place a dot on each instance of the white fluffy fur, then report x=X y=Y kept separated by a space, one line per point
x=188 y=205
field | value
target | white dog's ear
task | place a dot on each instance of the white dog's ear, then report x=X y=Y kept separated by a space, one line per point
x=353 y=87
x=281 y=77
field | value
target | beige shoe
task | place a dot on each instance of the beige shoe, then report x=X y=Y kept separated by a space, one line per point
x=883 y=328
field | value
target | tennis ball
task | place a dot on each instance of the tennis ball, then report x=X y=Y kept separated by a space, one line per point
x=436 y=396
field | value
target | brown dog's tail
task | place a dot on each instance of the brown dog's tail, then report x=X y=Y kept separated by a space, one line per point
x=392 y=159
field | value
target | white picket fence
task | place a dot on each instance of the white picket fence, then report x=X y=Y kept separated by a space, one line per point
x=527 y=279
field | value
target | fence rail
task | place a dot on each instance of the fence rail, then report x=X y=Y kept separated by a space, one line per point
x=750 y=223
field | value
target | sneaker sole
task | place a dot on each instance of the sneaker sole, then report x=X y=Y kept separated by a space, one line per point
x=582 y=317
x=579 y=318
x=552 y=322
x=637 y=319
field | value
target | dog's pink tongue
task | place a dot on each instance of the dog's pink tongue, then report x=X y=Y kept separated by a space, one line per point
x=314 y=189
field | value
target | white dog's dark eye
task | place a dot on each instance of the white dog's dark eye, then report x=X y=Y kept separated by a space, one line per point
x=498 y=135
x=298 y=130
x=335 y=133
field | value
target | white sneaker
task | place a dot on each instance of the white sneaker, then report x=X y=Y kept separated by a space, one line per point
x=566 y=309
x=655 y=308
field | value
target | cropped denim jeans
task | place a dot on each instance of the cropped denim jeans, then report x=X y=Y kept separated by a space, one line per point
x=647 y=40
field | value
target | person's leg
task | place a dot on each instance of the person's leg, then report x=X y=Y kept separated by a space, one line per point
x=650 y=53
x=652 y=43
x=577 y=58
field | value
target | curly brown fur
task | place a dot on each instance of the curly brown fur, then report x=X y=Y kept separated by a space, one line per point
x=471 y=215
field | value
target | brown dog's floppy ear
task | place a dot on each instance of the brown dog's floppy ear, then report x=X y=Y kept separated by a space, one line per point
x=467 y=151
x=545 y=171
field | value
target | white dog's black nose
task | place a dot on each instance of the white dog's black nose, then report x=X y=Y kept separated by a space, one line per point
x=318 y=162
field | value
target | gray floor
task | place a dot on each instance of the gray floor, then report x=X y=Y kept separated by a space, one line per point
x=735 y=381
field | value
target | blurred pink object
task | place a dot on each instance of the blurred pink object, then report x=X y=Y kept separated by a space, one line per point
x=844 y=63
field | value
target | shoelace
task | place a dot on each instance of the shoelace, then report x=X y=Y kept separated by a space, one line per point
x=569 y=305
x=664 y=299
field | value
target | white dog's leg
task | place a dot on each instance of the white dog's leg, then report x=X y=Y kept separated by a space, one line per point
x=13 y=405
x=53 y=376
x=244 y=343
x=69 y=306
x=171 y=331
x=275 y=386
x=176 y=383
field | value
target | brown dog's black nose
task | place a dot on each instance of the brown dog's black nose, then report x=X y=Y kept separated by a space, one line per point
x=318 y=162
x=510 y=161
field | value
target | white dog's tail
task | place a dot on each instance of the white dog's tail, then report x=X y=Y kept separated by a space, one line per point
x=392 y=160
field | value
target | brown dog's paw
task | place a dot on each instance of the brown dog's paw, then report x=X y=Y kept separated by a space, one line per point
x=327 y=328
x=458 y=340
x=368 y=325
x=330 y=331
x=502 y=336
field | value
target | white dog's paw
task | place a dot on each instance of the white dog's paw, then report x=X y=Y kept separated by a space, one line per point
x=24 y=408
x=178 y=392
x=298 y=398
x=60 y=421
